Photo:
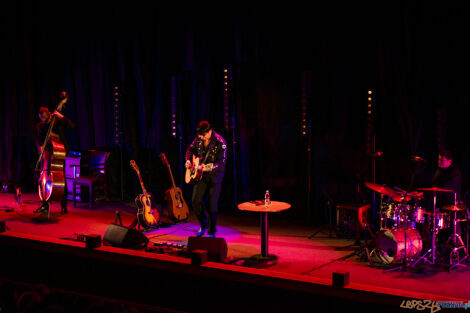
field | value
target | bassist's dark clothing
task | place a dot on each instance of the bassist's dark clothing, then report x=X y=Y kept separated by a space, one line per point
x=59 y=128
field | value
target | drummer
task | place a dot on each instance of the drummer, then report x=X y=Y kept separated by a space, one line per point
x=447 y=176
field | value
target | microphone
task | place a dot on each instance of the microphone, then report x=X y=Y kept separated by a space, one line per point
x=417 y=158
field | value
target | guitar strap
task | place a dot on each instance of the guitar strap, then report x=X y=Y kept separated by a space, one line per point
x=207 y=153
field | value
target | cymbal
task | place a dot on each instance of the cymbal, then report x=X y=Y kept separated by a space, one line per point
x=400 y=199
x=416 y=194
x=382 y=189
x=435 y=189
x=454 y=207
x=409 y=196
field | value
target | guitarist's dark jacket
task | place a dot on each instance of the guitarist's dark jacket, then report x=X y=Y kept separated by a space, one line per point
x=216 y=153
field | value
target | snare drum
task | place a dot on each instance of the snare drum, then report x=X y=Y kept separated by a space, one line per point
x=443 y=220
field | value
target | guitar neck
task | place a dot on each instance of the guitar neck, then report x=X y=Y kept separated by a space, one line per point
x=46 y=140
x=144 y=190
x=171 y=176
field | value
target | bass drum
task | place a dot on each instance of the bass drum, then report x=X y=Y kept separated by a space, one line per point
x=391 y=247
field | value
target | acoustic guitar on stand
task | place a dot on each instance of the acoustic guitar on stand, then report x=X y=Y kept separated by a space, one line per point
x=177 y=207
x=147 y=212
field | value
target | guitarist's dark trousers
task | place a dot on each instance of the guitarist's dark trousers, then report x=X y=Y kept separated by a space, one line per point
x=212 y=186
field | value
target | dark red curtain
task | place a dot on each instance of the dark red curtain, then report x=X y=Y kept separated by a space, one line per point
x=412 y=54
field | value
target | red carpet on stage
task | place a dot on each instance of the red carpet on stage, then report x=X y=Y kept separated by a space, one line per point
x=299 y=258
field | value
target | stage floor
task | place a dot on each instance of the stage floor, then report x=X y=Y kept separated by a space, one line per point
x=297 y=254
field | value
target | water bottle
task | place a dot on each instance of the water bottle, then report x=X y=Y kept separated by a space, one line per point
x=267 y=199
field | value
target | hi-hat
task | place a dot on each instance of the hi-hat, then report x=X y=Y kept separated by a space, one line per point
x=435 y=189
x=459 y=207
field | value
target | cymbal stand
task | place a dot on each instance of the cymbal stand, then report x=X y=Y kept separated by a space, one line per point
x=468 y=225
x=382 y=224
x=454 y=254
x=431 y=250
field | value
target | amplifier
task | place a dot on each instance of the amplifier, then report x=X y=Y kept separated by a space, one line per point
x=71 y=172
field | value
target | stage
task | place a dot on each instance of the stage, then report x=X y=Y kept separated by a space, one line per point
x=299 y=258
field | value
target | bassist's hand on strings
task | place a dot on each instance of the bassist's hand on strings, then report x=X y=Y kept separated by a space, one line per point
x=58 y=114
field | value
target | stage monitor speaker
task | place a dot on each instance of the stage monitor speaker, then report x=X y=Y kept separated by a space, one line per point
x=3 y=227
x=124 y=237
x=216 y=247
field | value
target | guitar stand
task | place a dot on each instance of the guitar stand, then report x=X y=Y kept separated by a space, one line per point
x=138 y=226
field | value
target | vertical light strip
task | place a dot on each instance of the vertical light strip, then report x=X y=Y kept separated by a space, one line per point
x=227 y=89
x=370 y=122
x=173 y=106
x=117 y=114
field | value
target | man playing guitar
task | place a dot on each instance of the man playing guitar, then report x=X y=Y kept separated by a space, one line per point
x=211 y=149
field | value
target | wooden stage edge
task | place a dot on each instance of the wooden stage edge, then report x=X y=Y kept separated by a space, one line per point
x=134 y=275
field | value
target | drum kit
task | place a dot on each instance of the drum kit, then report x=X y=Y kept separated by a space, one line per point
x=404 y=222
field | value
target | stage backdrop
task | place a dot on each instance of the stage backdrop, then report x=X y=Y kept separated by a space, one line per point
x=413 y=55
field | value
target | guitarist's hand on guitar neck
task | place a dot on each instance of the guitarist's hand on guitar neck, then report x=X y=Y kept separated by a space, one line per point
x=207 y=167
x=203 y=167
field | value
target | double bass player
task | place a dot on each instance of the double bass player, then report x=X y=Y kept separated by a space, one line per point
x=51 y=135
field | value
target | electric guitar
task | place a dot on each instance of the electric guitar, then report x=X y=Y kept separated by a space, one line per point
x=147 y=212
x=177 y=207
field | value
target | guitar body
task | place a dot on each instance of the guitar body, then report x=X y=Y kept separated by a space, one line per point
x=193 y=174
x=177 y=207
x=147 y=212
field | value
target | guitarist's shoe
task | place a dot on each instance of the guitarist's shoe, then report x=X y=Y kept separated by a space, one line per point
x=212 y=235
x=63 y=206
x=201 y=232
x=42 y=209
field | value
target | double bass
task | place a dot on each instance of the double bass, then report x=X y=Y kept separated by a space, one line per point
x=51 y=161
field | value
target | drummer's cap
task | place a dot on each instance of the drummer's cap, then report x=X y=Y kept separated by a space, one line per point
x=446 y=154
x=44 y=109
x=203 y=127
